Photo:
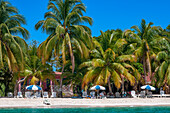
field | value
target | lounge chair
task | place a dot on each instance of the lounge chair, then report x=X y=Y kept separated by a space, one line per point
x=133 y=94
x=45 y=95
x=53 y=95
x=117 y=95
x=10 y=95
x=28 y=94
x=102 y=95
x=38 y=94
x=142 y=94
x=19 y=95
x=110 y=95
x=84 y=95
x=149 y=95
x=92 y=95
x=162 y=93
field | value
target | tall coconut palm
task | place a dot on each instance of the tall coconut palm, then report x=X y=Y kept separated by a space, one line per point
x=109 y=65
x=12 y=47
x=64 y=22
x=144 y=35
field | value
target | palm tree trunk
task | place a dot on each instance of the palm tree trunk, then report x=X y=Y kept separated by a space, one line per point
x=61 y=82
x=110 y=88
x=0 y=35
x=148 y=65
x=16 y=85
x=72 y=61
x=15 y=88
x=73 y=66
x=6 y=86
x=144 y=68
x=166 y=88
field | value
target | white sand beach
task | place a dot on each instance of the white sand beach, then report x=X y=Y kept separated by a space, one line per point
x=68 y=102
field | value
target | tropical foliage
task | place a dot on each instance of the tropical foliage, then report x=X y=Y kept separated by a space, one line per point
x=12 y=47
x=144 y=38
x=34 y=66
x=107 y=64
x=114 y=57
x=64 y=24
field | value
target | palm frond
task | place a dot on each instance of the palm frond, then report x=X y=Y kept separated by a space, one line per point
x=98 y=63
x=161 y=55
x=124 y=58
x=116 y=78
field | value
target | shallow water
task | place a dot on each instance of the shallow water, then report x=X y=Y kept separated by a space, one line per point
x=156 y=109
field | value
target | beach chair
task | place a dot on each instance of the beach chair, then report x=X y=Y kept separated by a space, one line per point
x=162 y=93
x=149 y=95
x=133 y=94
x=99 y=96
x=110 y=95
x=10 y=95
x=28 y=94
x=19 y=95
x=38 y=94
x=92 y=95
x=102 y=95
x=53 y=95
x=84 y=95
x=117 y=95
x=142 y=94
x=45 y=95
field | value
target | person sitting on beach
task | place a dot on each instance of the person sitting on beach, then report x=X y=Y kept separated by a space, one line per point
x=102 y=95
x=124 y=93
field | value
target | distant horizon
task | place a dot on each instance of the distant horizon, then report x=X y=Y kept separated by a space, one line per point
x=106 y=15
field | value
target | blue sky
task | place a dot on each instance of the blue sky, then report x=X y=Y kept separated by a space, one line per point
x=106 y=14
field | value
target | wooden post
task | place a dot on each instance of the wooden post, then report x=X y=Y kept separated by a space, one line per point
x=51 y=84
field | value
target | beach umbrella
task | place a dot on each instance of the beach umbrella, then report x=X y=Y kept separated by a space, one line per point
x=148 y=87
x=97 y=87
x=33 y=87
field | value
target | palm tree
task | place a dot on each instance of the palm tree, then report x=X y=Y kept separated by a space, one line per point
x=34 y=67
x=34 y=64
x=64 y=24
x=162 y=75
x=144 y=48
x=12 y=47
x=109 y=65
x=161 y=63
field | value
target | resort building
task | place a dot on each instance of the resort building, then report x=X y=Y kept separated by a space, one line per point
x=49 y=85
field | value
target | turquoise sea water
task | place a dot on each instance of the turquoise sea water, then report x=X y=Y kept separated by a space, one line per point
x=89 y=110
